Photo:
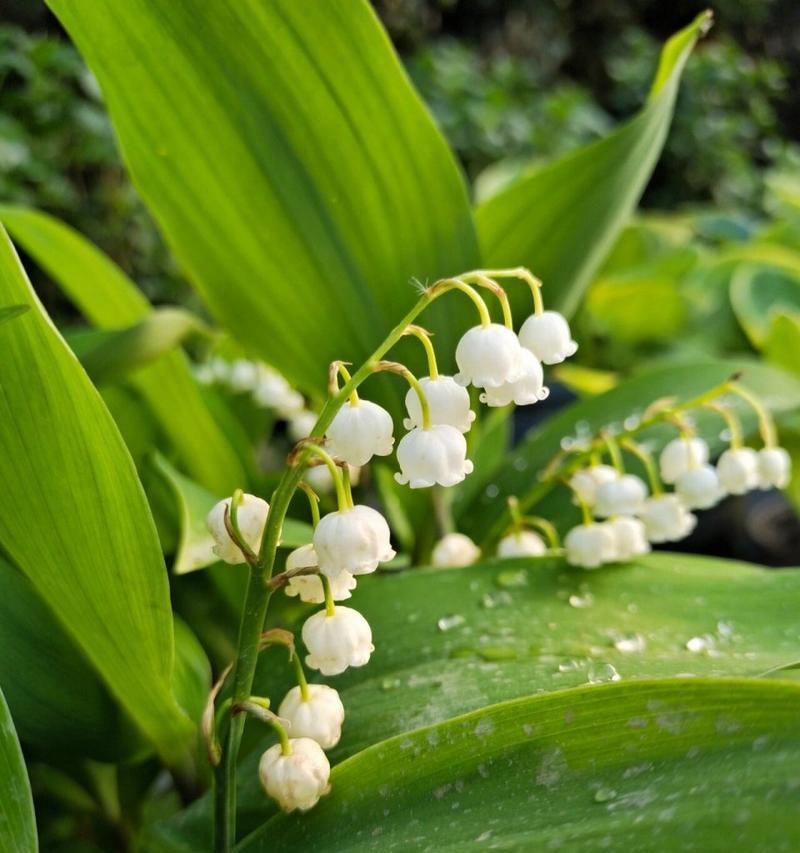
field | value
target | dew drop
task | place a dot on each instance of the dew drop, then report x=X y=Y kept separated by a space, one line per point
x=603 y=673
x=603 y=795
x=581 y=601
x=512 y=578
x=631 y=645
x=447 y=623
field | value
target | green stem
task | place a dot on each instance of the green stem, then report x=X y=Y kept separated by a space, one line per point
x=313 y=501
x=348 y=488
x=731 y=421
x=330 y=604
x=345 y=374
x=425 y=337
x=520 y=273
x=402 y=370
x=766 y=425
x=547 y=528
x=300 y=674
x=646 y=458
x=341 y=493
x=448 y=284
x=613 y=452
x=516 y=515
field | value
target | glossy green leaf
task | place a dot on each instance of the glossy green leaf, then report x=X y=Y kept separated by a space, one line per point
x=40 y=662
x=450 y=641
x=110 y=300
x=782 y=343
x=672 y=765
x=75 y=520
x=294 y=170
x=521 y=468
x=194 y=503
x=107 y=355
x=562 y=219
x=9 y=312
x=17 y=821
x=760 y=293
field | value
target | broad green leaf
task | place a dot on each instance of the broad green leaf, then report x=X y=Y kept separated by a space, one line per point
x=782 y=343
x=450 y=641
x=562 y=219
x=107 y=355
x=75 y=520
x=519 y=474
x=585 y=381
x=110 y=300
x=60 y=703
x=194 y=503
x=667 y=765
x=760 y=293
x=9 y=312
x=17 y=821
x=295 y=172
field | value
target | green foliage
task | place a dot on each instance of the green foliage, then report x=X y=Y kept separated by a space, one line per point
x=17 y=822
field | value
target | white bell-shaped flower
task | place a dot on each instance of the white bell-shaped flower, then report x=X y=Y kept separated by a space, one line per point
x=243 y=375
x=489 y=356
x=524 y=543
x=272 y=391
x=309 y=588
x=587 y=481
x=623 y=496
x=699 y=488
x=591 y=545
x=681 y=455
x=299 y=779
x=548 y=337
x=774 y=468
x=447 y=400
x=630 y=537
x=337 y=641
x=738 y=470
x=319 y=717
x=251 y=516
x=529 y=388
x=666 y=519
x=455 y=550
x=352 y=540
x=430 y=456
x=360 y=431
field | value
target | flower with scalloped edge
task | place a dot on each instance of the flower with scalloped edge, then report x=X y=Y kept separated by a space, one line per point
x=489 y=356
x=309 y=587
x=630 y=537
x=447 y=400
x=587 y=481
x=774 y=468
x=591 y=545
x=681 y=455
x=299 y=779
x=528 y=389
x=352 y=540
x=319 y=716
x=666 y=518
x=548 y=337
x=738 y=470
x=623 y=496
x=251 y=516
x=428 y=457
x=699 y=488
x=338 y=640
x=454 y=550
x=360 y=430
x=523 y=543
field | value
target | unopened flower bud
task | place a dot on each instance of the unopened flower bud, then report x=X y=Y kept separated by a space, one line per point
x=309 y=587
x=251 y=515
x=360 y=431
x=548 y=337
x=430 y=456
x=318 y=717
x=448 y=403
x=299 y=779
x=681 y=455
x=699 y=488
x=529 y=388
x=590 y=545
x=488 y=356
x=524 y=543
x=630 y=538
x=623 y=496
x=774 y=468
x=352 y=540
x=455 y=550
x=338 y=641
x=666 y=519
x=738 y=470
x=587 y=481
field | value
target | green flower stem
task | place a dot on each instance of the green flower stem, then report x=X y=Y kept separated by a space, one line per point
x=299 y=673
x=516 y=515
x=341 y=493
x=447 y=284
x=613 y=451
x=522 y=274
x=259 y=708
x=646 y=458
x=402 y=370
x=330 y=604
x=731 y=421
x=425 y=336
x=766 y=425
x=345 y=374
x=313 y=501
x=502 y=297
x=547 y=528
x=348 y=488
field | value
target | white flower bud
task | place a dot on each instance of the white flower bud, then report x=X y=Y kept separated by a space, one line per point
x=587 y=481
x=666 y=519
x=352 y=540
x=738 y=470
x=298 y=780
x=272 y=391
x=251 y=516
x=243 y=375
x=681 y=455
x=529 y=388
x=548 y=337
x=309 y=587
x=525 y=543
x=591 y=545
x=488 y=356
x=623 y=496
x=318 y=717
x=430 y=456
x=774 y=468
x=629 y=535
x=301 y=424
x=447 y=400
x=360 y=431
x=699 y=488
x=338 y=641
x=455 y=550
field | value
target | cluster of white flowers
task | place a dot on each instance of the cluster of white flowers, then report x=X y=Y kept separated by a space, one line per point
x=633 y=519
